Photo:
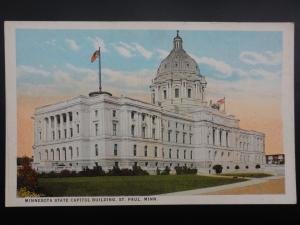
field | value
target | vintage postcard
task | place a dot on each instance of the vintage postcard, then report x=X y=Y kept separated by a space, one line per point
x=140 y=113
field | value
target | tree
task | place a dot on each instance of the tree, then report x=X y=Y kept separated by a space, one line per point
x=218 y=168
x=26 y=176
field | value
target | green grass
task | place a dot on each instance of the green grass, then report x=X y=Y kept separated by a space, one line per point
x=127 y=185
x=250 y=175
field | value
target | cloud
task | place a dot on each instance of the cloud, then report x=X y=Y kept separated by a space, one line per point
x=123 y=51
x=96 y=42
x=51 y=42
x=140 y=78
x=218 y=65
x=72 y=44
x=144 y=52
x=129 y=50
x=162 y=53
x=266 y=58
x=30 y=70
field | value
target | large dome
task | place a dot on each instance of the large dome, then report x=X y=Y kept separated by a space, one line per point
x=178 y=64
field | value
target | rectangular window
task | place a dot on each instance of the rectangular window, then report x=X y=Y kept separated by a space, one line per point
x=132 y=130
x=176 y=137
x=116 y=149
x=53 y=135
x=162 y=134
x=134 y=150
x=184 y=154
x=190 y=139
x=189 y=93
x=165 y=94
x=77 y=151
x=153 y=133
x=41 y=136
x=176 y=124
x=114 y=129
x=155 y=151
x=59 y=134
x=177 y=93
x=77 y=128
x=96 y=129
x=70 y=116
x=145 y=151
x=177 y=153
x=143 y=117
x=132 y=115
x=96 y=113
x=65 y=132
x=71 y=132
x=169 y=136
x=191 y=154
x=183 y=139
x=170 y=153
x=114 y=113
x=143 y=132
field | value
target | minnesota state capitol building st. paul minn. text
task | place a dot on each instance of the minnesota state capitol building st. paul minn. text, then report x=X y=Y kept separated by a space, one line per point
x=178 y=128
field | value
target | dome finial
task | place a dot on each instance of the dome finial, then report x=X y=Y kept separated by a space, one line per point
x=177 y=33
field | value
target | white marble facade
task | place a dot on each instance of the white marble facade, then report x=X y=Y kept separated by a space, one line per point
x=178 y=127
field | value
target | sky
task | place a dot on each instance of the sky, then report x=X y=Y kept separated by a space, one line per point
x=243 y=66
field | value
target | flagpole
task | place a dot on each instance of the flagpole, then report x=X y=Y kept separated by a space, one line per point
x=100 y=86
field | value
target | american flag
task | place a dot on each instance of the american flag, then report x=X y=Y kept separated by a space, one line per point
x=95 y=55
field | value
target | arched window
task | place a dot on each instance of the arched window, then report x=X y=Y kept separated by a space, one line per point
x=165 y=94
x=52 y=153
x=170 y=153
x=189 y=93
x=58 y=154
x=96 y=150
x=145 y=151
x=64 y=154
x=47 y=156
x=176 y=92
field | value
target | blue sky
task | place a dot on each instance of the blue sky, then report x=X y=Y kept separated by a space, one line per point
x=59 y=60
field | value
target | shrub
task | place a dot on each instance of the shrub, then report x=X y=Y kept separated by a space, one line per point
x=26 y=176
x=185 y=170
x=23 y=192
x=65 y=173
x=157 y=171
x=236 y=167
x=138 y=171
x=218 y=168
x=257 y=166
x=166 y=171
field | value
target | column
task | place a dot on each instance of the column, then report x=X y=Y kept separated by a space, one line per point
x=55 y=125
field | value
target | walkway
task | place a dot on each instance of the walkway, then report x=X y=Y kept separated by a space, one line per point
x=266 y=185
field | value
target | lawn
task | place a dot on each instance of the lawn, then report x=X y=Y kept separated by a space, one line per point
x=127 y=185
x=249 y=175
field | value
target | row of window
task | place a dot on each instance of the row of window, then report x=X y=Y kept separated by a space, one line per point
x=55 y=155
x=60 y=136
x=146 y=152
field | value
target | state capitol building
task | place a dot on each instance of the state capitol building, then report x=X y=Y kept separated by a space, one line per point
x=178 y=128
